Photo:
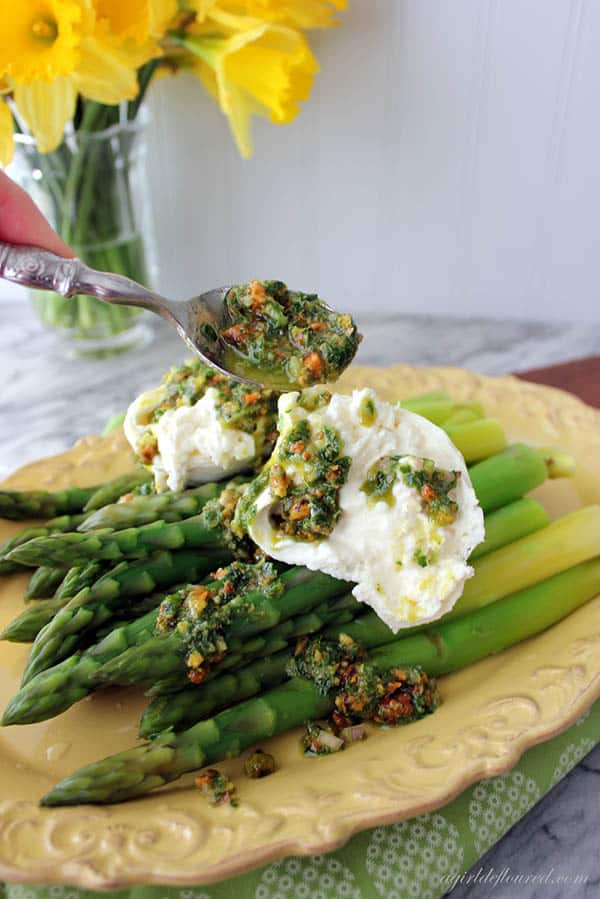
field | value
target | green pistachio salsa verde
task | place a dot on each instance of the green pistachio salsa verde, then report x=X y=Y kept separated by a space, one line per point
x=201 y=612
x=242 y=407
x=285 y=338
x=305 y=473
x=433 y=485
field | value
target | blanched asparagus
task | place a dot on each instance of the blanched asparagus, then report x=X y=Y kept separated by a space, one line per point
x=236 y=622
x=203 y=530
x=141 y=510
x=509 y=523
x=477 y=439
x=453 y=645
x=113 y=490
x=44 y=582
x=18 y=505
x=53 y=526
x=507 y=476
x=96 y=604
x=56 y=689
x=127 y=579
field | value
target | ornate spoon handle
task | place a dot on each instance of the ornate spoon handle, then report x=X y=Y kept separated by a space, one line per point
x=41 y=270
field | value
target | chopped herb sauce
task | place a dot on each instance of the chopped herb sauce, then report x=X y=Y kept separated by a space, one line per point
x=308 y=506
x=433 y=485
x=242 y=407
x=201 y=612
x=360 y=691
x=286 y=338
x=217 y=788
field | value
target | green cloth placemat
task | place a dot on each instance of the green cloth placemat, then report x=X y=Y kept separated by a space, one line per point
x=421 y=858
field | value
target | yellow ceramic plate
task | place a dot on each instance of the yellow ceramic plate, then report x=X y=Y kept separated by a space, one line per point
x=492 y=712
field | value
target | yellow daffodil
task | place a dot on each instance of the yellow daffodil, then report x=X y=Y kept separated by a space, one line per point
x=259 y=68
x=293 y=13
x=61 y=48
x=136 y=19
x=39 y=39
x=297 y=13
x=6 y=133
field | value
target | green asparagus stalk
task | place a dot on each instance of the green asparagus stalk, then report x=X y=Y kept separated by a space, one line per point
x=479 y=439
x=137 y=771
x=54 y=526
x=240 y=619
x=95 y=605
x=78 y=577
x=131 y=543
x=141 y=510
x=510 y=523
x=44 y=582
x=113 y=490
x=26 y=626
x=18 y=505
x=461 y=417
x=178 y=711
x=507 y=476
x=56 y=689
x=133 y=579
x=439 y=411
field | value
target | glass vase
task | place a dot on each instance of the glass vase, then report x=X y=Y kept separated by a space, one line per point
x=93 y=190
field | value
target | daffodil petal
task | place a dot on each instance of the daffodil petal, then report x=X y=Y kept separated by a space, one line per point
x=46 y=107
x=297 y=13
x=108 y=70
x=6 y=134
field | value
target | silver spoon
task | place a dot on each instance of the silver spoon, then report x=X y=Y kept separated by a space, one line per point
x=198 y=320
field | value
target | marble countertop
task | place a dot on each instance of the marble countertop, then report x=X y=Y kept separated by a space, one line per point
x=48 y=400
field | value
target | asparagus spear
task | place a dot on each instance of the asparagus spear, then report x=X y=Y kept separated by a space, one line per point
x=131 y=579
x=56 y=689
x=137 y=771
x=510 y=523
x=78 y=577
x=236 y=622
x=449 y=645
x=208 y=529
x=141 y=510
x=178 y=711
x=507 y=476
x=21 y=504
x=96 y=604
x=113 y=490
x=477 y=439
x=44 y=582
x=18 y=505
x=54 y=526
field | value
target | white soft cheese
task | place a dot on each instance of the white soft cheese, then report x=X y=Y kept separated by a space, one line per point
x=375 y=544
x=194 y=446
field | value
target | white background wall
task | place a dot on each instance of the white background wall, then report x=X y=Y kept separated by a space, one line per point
x=447 y=162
